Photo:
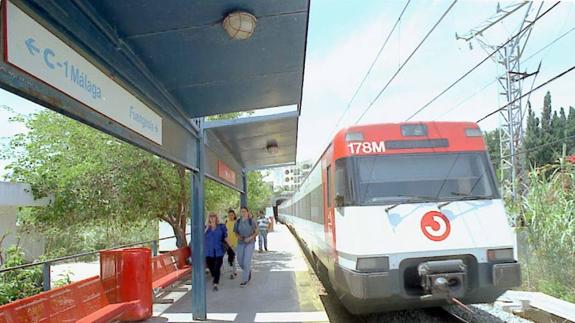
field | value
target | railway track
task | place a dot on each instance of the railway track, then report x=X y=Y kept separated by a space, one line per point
x=447 y=316
x=436 y=314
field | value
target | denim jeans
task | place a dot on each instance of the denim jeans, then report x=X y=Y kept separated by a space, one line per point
x=244 y=253
x=232 y=258
x=263 y=238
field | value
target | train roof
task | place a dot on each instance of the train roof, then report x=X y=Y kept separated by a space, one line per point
x=407 y=137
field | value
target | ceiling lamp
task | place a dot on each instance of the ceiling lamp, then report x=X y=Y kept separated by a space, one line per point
x=272 y=147
x=240 y=25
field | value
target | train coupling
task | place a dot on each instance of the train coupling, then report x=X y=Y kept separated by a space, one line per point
x=442 y=279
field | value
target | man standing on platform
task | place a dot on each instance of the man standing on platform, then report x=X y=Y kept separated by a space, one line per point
x=263 y=227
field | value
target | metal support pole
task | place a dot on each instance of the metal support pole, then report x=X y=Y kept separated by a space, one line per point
x=46 y=284
x=244 y=195
x=154 y=248
x=197 y=230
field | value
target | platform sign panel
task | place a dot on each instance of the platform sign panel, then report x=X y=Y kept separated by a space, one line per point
x=35 y=50
x=226 y=173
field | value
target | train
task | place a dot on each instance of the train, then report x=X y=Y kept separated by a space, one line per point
x=406 y=215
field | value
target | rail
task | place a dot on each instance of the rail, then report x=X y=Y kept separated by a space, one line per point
x=46 y=279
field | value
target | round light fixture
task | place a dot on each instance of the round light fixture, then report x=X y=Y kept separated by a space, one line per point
x=240 y=25
x=272 y=147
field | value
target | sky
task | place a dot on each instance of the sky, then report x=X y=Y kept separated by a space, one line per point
x=344 y=38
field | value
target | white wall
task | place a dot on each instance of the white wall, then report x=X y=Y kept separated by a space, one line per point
x=166 y=231
x=20 y=194
x=32 y=245
x=13 y=196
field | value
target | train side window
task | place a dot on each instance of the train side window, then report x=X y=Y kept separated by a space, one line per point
x=329 y=190
x=317 y=205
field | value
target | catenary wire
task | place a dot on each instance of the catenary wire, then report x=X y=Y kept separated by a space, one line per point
x=371 y=66
x=538 y=147
x=481 y=62
x=526 y=94
x=495 y=80
x=405 y=62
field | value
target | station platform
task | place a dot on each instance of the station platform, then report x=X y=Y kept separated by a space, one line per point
x=283 y=288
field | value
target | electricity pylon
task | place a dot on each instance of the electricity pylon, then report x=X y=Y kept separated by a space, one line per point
x=511 y=88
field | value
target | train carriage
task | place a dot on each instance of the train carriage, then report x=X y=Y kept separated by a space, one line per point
x=406 y=215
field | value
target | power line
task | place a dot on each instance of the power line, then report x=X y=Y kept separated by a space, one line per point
x=372 y=65
x=469 y=97
x=495 y=80
x=481 y=62
x=405 y=62
x=538 y=147
x=551 y=43
x=528 y=93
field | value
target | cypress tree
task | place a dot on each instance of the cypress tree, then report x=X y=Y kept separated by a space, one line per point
x=570 y=131
x=546 y=156
x=532 y=137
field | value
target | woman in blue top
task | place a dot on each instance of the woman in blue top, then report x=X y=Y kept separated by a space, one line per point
x=215 y=234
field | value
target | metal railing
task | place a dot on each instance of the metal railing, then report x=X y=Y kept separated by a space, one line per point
x=47 y=264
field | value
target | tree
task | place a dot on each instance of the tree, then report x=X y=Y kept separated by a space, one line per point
x=95 y=178
x=532 y=136
x=546 y=114
x=547 y=134
x=570 y=131
x=99 y=181
x=492 y=140
x=220 y=198
x=259 y=193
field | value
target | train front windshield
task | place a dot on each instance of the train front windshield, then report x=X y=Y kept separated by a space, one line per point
x=414 y=178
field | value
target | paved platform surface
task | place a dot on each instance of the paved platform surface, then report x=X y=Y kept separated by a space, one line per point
x=283 y=289
x=543 y=302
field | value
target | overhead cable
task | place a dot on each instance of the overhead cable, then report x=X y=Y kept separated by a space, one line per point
x=481 y=62
x=495 y=80
x=406 y=61
x=372 y=65
x=528 y=93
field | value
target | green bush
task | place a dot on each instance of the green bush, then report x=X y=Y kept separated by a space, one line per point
x=549 y=213
x=20 y=283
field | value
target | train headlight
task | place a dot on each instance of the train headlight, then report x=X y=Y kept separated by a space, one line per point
x=500 y=254
x=372 y=264
x=354 y=136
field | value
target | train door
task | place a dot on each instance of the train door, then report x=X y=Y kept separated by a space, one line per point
x=329 y=207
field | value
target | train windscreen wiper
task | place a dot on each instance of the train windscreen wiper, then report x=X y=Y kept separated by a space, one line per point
x=463 y=197
x=411 y=199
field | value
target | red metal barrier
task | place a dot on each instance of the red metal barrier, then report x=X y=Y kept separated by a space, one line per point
x=181 y=255
x=170 y=267
x=123 y=291
x=127 y=276
x=77 y=301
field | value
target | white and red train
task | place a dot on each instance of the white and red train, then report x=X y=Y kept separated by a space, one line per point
x=406 y=215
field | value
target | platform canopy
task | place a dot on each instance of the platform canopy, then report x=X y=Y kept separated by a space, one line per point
x=259 y=142
x=185 y=47
x=176 y=59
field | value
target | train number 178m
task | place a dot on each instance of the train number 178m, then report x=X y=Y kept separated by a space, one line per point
x=366 y=147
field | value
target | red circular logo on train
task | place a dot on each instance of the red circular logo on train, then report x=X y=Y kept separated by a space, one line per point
x=435 y=226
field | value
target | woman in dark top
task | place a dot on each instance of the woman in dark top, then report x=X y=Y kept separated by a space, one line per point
x=215 y=236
